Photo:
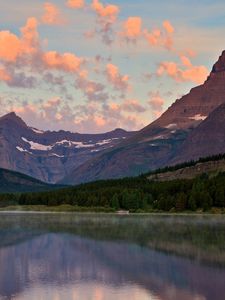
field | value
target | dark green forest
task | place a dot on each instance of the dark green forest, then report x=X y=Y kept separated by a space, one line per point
x=133 y=194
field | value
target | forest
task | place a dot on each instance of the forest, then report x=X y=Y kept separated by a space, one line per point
x=134 y=194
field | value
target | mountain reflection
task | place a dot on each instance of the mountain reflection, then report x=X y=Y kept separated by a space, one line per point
x=69 y=262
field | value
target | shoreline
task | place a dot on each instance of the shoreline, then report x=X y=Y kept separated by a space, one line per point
x=100 y=211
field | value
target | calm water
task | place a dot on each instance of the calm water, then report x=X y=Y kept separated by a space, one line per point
x=96 y=257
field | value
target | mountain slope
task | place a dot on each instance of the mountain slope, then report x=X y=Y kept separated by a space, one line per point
x=157 y=144
x=11 y=182
x=46 y=155
x=207 y=139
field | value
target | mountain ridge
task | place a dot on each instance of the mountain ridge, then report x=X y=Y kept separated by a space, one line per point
x=49 y=155
x=157 y=144
x=15 y=182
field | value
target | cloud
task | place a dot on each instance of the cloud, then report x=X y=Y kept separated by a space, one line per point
x=168 y=27
x=67 y=62
x=119 y=82
x=4 y=76
x=108 y=12
x=53 y=79
x=25 y=52
x=93 y=91
x=30 y=37
x=132 y=105
x=77 y=4
x=184 y=71
x=129 y=105
x=132 y=29
x=51 y=114
x=106 y=17
x=11 y=47
x=52 y=15
x=156 y=103
x=21 y=80
x=161 y=37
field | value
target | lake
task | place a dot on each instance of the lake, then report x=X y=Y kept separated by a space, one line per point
x=71 y=256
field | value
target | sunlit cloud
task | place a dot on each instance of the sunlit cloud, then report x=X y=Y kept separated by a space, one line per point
x=76 y=4
x=120 y=82
x=184 y=71
x=102 y=80
x=52 y=14
x=132 y=29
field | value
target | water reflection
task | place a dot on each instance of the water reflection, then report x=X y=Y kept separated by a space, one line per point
x=42 y=263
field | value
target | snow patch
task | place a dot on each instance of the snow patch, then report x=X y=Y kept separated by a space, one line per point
x=36 y=130
x=76 y=144
x=37 y=146
x=68 y=143
x=198 y=117
x=54 y=154
x=104 y=142
x=22 y=150
x=159 y=137
x=171 y=126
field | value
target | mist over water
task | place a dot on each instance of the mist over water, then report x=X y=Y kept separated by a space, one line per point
x=96 y=257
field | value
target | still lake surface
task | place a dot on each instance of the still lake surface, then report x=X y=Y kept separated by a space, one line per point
x=98 y=257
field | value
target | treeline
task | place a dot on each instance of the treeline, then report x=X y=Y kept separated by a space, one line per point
x=190 y=163
x=134 y=194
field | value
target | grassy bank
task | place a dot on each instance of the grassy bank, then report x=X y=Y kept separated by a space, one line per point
x=79 y=209
x=58 y=208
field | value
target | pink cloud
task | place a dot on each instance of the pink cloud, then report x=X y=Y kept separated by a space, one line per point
x=11 y=47
x=161 y=37
x=77 y=4
x=67 y=62
x=108 y=12
x=132 y=28
x=168 y=27
x=120 y=82
x=99 y=121
x=25 y=52
x=156 y=103
x=94 y=91
x=184 y=71
x=132 y=105
x=52 y=14
x=4 y=76
x=30 y=37
x=129 y=105
x=106 y=17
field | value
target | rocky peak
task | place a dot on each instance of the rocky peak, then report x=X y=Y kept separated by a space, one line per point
x=220 y=64
x=13 y=119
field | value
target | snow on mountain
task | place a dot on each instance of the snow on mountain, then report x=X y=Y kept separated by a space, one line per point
x=49 y=155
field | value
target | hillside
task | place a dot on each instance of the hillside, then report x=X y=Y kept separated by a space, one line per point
x=14 y=182
x=178 y=189
x=211 y=168
x=207 y=139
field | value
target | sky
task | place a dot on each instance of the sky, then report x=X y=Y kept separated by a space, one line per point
x=91 y=66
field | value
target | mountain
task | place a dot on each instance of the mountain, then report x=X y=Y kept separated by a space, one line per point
x=207 y=139
x=46 y=155
x=158 y=144
x=11 y=182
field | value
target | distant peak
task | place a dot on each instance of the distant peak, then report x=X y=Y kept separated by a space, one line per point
x=220 y=64
x=119 y=130
x=12 y=117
